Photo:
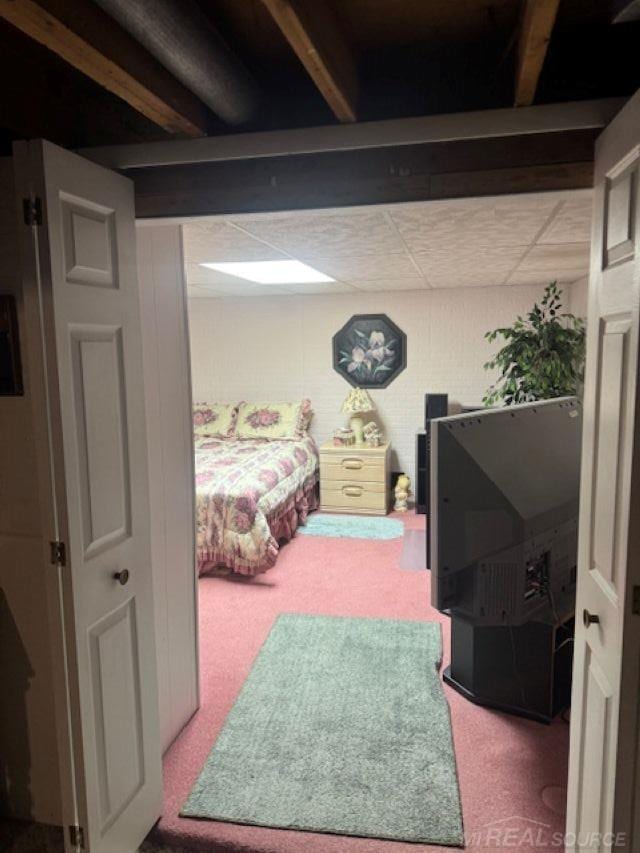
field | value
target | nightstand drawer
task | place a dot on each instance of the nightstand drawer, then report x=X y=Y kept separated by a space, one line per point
x=354 y=495
x=353 y=467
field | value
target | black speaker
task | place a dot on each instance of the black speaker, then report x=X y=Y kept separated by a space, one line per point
x=422 y=474
x=435 y=406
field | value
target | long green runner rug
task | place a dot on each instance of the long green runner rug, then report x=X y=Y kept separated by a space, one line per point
x=341 y=727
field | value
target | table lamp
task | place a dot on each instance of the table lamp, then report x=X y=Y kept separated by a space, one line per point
x=357 y=403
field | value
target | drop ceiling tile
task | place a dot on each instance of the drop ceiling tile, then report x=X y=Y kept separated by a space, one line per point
x=228 y=285
x=473 y=222
x=252 y=290
x=198 y=275
x=219 y=242
x=202 y=293
x=571 y=224
x=469 y=266
x=540 y=277
x=365 y=267
x=386 y=284
x=482 y=279
x=328 y=234
x=553 y=258
x=309 y=287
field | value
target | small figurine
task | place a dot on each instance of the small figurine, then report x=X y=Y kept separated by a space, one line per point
x=402 y=492
x=372 y=434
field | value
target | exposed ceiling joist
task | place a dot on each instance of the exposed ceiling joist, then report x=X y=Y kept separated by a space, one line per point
x=538 y=18
x=87 y=39
x=626 y=10
x=319 y=45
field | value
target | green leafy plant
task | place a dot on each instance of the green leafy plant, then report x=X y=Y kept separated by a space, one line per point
x=542 y=357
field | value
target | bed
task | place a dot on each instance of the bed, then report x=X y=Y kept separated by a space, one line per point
x=250 y=496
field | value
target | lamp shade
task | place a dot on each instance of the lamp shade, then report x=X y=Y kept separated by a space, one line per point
x=358 y=401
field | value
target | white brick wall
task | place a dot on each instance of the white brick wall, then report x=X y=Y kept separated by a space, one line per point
x=578 y=297
x=279 y=348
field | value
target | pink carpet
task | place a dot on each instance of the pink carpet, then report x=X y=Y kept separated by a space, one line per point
x=512 y=771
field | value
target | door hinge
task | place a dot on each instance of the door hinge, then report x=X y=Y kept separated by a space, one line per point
x=58 y=553
x=635 y=601
x=32 y=209
x=76 y=837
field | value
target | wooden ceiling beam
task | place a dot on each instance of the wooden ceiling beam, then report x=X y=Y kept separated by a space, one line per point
x=319 y=45
x=538 y=19
x=89 y=40
x=472 y=167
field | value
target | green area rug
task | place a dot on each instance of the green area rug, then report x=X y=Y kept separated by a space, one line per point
x=341 y=727
x=352 y=526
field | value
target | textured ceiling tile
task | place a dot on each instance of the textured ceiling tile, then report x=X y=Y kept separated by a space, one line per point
x=250 y=289
x=382 y=284
x=572 y=223
x=364 y=266
x=308 y=287
x=554 y=258
x=489 y=265
x=328 y=234
x=540 y=277
x=477 y=222
x=202 y=293
x=218 y=242
x=195 y=274
x=483 y=279
x=229 y=285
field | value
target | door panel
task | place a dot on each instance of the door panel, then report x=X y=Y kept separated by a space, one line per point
x=101 y=424
x=620 y=203
x=118 y=710
x=592 y=796
x=90 y=252
x=606 y=680
x=612 y=357
x=90 y=325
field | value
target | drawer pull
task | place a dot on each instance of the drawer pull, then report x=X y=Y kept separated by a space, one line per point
x=352 y=491
x=352 y=463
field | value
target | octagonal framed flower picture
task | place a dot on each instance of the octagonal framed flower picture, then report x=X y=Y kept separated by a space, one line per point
x=369 y=351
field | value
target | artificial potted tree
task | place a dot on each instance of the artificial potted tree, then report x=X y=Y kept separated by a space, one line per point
x=542 y=356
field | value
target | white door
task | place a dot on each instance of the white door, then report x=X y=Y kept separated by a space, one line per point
x=80 y=267
x=606 y=681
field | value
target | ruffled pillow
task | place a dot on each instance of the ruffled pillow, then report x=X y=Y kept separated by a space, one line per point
x=274 y=420
x=304 y=418
x=215 y=420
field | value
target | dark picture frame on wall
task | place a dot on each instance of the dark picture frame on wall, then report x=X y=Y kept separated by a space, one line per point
x=369 y=351
x=10 y=364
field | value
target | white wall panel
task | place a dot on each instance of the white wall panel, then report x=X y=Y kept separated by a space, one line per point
x=168 y=400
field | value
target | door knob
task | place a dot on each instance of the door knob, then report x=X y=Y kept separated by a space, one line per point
x=122 y=577
x=589 y=618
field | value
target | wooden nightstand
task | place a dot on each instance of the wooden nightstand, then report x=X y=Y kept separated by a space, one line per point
x=354 y=479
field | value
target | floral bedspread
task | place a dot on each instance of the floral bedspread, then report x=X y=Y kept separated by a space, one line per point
x=250 y=494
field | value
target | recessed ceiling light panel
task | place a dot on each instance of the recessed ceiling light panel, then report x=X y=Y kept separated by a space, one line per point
x=271 y=272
